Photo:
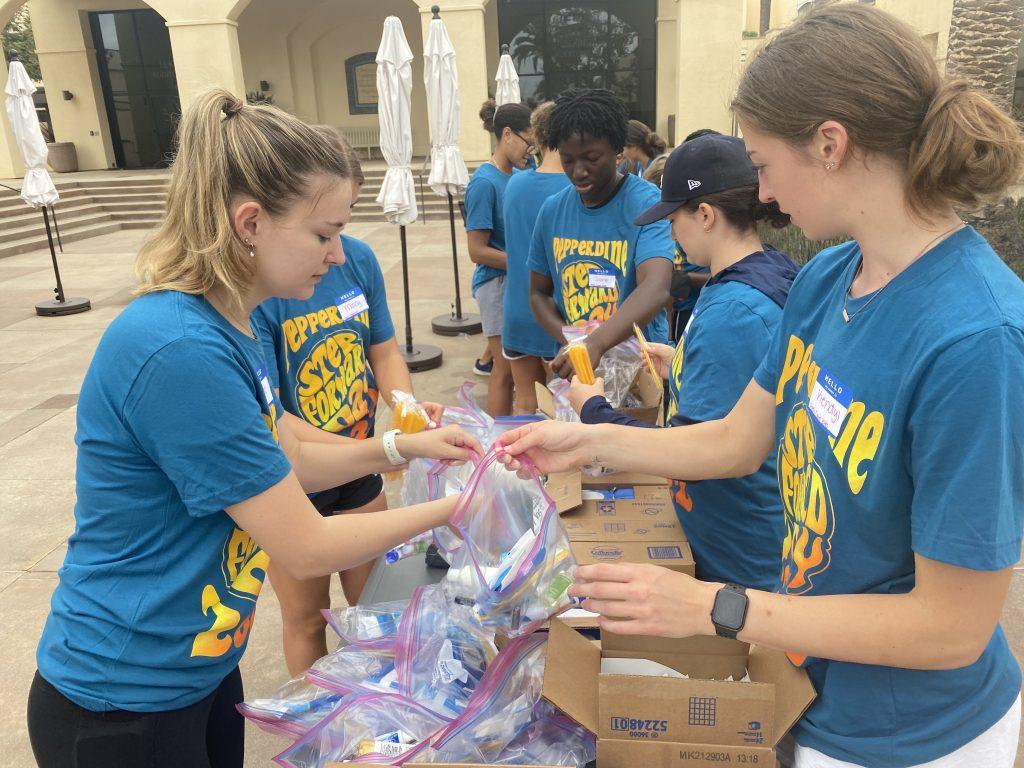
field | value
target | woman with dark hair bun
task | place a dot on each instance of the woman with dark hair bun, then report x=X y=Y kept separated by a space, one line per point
x=485 y=230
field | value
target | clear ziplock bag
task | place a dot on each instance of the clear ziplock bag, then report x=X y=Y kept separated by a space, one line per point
x=292 y=709
x=618 y=366
x=470 y=416
x=553 y=739
x=376 y=728
x=360 y=623
x=514 y=563
x=365 y=667
x=504 y=704
x=442 y=652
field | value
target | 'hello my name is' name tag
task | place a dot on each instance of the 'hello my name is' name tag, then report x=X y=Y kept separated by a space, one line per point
x=351 y=304
x=830 y=402
x=601 y=278
x=268 y=393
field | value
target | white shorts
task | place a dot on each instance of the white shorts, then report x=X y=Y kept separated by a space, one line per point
x=995 y=748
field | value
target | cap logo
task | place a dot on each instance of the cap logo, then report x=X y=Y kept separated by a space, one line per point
x=692 y=184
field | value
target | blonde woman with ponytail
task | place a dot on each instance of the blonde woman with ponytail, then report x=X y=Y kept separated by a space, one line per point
x=890 y=398
x=188 y=478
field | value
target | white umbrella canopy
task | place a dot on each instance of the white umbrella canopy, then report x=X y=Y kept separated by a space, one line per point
x=37 y=188
x=394 y=94
x=506 y=81
x=448 y=174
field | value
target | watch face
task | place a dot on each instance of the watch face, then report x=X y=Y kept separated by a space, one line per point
x=729 y=609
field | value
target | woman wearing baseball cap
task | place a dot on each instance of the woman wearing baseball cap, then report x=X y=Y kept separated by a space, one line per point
x=709 y=193
x=890 y=396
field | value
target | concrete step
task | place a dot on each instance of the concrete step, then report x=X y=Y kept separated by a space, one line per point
x=77 y=207
x=36 y=242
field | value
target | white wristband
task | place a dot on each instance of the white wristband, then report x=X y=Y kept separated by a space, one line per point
x=391 y=450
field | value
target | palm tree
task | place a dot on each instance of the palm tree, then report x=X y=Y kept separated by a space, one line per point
x=984 y=45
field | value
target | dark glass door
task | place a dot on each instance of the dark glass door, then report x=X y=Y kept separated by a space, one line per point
x=584 y=44
x=139 y=87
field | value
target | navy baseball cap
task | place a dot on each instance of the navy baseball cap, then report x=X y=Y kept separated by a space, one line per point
x=701 y=167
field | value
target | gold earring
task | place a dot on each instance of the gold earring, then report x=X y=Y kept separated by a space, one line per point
x=251 y=247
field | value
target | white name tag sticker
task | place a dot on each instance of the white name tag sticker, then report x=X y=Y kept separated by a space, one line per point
x=351 y=304
x=601 y=278
x=268 y=393
x=830 y=402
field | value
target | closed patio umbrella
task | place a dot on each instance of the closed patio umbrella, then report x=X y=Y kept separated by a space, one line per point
x=506 y=81
x=397 y=193
x=37 y=188
x=448 y=174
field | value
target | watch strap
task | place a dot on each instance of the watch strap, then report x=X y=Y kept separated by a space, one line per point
x=391 y=450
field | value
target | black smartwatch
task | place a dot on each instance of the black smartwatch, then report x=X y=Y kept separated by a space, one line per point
x=730 y=610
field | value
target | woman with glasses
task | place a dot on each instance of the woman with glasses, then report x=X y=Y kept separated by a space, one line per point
x=485 y=229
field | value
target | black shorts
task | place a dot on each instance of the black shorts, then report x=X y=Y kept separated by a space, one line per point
x=511 y=354
x=349 y=496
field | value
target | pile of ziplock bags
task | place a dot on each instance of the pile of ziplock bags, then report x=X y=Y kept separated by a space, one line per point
x=422 y=680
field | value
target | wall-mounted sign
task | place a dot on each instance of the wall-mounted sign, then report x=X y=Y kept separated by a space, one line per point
x=361 y=74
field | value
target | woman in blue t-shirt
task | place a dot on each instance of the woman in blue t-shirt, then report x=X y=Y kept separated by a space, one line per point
x=589 y=260
x=642 y=147
x=527 y=346
x=733 y=525
x=331 y=375
x=188 y=478
x=890 y=398
x=485 y=232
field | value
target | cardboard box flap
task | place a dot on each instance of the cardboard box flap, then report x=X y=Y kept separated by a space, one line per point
x=545 y=400
x=622 y=480
x=647 y=390
x=565 y=489
x=571 y=670
x=709 y=658
x=793 y=690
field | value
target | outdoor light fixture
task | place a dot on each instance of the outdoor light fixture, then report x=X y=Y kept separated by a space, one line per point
x=68 y=95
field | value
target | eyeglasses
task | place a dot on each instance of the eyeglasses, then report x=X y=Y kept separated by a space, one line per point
x=529 y=144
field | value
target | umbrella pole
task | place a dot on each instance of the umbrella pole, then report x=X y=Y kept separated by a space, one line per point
x=56 y=229
x=455 y=258
x=62 y=305
x=455 y=322
x=422 y=357
x=405 y=285
x=53 y=255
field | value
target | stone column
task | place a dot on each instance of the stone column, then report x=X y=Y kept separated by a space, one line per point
x=464 y=20
x=667 y=78
x=710 y=33
x=10 y=157
x=206 y=55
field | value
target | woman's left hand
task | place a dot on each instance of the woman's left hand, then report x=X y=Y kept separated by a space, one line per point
x=635 y=599
x=434 y=412
x=579 y=392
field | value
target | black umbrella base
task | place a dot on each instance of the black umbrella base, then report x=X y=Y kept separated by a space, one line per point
x=450 y=325
x=66 y=307
x=422 y=357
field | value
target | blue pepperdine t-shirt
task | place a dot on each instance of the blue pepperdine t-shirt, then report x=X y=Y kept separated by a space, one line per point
x=591 y=254
x=318 y=349
x=681 y=262
x=484 y=195
x=525 y=194
x=900 y=433
x=176 y=421
x=734 y=525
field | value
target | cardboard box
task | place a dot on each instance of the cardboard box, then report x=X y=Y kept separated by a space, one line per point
x=644 y=388
x=663 y=722
x=676 y=556
x=588 y=528
x=649 y=502
x=623 y=480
